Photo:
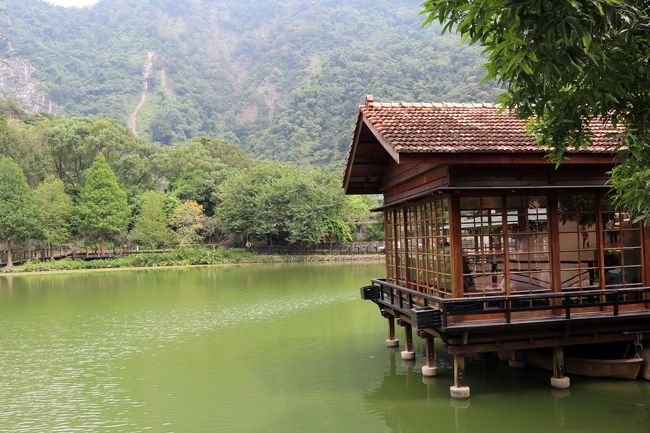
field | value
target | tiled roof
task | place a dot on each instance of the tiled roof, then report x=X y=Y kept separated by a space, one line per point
x=461 y=128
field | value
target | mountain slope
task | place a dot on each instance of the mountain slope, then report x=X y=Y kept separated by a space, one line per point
x=281 y=78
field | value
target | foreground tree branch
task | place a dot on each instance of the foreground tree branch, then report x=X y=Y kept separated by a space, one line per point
x=565 y=64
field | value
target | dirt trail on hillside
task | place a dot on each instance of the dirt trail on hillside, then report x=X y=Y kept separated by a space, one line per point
x=148 y=66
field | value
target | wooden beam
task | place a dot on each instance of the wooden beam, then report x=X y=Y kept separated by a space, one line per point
x=558 y=361
x=350 y=161
x=393 y=178
x=382 y=140
x=555 y=266
x=456 y=249
x=536 y=344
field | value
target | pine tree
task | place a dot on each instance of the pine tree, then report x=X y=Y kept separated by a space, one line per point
x=102 y=210
x=18 y=215
x=151 y=226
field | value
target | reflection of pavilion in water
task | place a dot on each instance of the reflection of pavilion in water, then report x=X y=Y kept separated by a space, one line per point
x=489 y=246
x=408 y=402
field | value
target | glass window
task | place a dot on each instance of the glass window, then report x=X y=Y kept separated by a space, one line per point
x=579 y=258
x=482 y=243
x=420 y=247
x=622 y=239
x=528 y=244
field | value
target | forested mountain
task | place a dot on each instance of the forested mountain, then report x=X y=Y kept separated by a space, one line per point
x=281 y=78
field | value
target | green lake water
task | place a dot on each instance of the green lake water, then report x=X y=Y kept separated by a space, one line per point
x=255 y=348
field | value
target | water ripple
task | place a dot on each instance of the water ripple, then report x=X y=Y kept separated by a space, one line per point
x=58 y=376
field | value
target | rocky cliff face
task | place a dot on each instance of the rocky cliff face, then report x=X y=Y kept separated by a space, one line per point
x=17 y=82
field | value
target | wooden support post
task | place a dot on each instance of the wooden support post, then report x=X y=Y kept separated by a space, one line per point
x=459 y=391
x=559 y=380
x=645 y=370
x=391 y=341
x=409 y=353
x=430 y=369
x=516 y=359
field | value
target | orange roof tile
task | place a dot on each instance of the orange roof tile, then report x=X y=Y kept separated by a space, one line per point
x=462 y=128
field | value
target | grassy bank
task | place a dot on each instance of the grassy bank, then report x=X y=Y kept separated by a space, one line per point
x=182 y=257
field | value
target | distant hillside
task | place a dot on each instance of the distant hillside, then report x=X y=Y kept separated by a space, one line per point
x=281 y=78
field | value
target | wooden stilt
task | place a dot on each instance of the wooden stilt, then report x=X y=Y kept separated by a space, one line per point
x=430 y=369
x=409 y=353
x=559 y=380
x=459 y=391
x=459 y=370
x=516 y=359
x=391 y=341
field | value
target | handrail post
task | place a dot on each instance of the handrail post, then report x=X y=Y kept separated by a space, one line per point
x=567 y=307
x=444 y=315
x=616 y=303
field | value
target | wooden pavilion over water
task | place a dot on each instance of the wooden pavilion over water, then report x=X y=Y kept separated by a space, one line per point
x=489 y=246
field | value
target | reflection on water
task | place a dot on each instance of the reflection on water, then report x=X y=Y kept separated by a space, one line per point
x=286 y=348
x=504 y=400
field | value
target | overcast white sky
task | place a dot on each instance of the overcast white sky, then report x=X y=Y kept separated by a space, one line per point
x=72 y=2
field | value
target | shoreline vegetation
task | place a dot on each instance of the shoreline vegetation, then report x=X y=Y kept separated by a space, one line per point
x=184 y=257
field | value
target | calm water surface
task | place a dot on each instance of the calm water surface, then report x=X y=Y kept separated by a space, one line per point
x=286 y=348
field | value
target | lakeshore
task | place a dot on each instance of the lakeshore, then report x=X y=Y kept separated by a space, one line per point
x=182 y=259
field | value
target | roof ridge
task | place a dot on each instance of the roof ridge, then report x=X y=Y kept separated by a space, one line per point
x=370 y=102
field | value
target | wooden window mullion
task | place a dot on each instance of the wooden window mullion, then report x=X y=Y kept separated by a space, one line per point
x=406 y=246
x=506 y=244
x=555 y=267
x=600 y=241
x=455 y=247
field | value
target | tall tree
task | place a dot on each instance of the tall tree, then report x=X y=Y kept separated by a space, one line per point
x=565 y=64
x=74 y=143
x=276 y=201
x=151 y=227
x=18 y=213
x=195 y=169
x=54 y=209
x=189 y=222
x=102 y=209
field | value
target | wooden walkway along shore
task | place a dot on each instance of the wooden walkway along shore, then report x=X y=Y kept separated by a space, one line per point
x=20 y=257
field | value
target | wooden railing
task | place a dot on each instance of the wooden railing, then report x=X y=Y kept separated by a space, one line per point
x=566 y=304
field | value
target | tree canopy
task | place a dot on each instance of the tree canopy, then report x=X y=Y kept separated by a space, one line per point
x=74 y=143
x=102 y=210
x=294 y=204
x=277 y=202
x=189 y=222
x=151 y=226
x=54 y=208
x=18 y=215
x=565 y=64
